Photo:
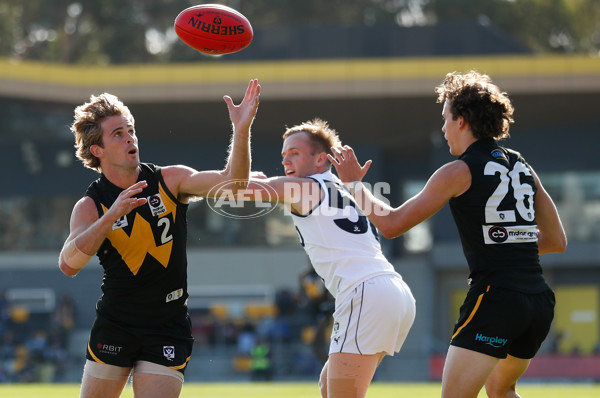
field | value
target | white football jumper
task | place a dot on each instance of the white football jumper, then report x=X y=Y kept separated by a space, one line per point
x=374 y=308
x=339 y=240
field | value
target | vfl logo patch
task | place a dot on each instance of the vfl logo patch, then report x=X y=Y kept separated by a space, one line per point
x=120 y=223
x=169 y=352
x=156 y=205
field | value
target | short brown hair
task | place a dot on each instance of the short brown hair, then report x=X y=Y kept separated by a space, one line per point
x=321 y=135
x=86 y=125
x=486 y=109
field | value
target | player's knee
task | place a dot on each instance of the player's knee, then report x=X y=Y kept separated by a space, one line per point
x=323 y=385
x=344 y=387
x=499 y=391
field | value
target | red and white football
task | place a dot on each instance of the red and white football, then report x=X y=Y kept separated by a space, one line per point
x=214 y=29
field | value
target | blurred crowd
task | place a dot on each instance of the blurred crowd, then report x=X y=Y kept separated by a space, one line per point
x=299 y=318
x=34 y=346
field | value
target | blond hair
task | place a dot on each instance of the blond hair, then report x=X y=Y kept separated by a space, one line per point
x=87 y=125
x=322 y=137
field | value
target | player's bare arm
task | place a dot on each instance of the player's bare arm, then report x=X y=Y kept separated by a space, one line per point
x=448 y=181
x=241 y=116
x=301 y=195
x=552 y=237
x=88 y=231
x=186 y=182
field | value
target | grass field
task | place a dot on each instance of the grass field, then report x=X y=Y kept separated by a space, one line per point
x=301 y=390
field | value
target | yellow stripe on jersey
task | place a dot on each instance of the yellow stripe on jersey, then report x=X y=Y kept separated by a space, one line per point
x=169 y=204
x=133 y=248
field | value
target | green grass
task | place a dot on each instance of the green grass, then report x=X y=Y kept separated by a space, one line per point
x=301 y=390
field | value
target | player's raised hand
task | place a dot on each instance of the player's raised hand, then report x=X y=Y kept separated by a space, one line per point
x=347 y=166
x=243 y=114
x=126 y=201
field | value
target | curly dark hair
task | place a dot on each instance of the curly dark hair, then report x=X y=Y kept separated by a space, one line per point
x=486 y=109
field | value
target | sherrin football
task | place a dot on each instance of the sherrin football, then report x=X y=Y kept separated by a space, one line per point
x=213 y=29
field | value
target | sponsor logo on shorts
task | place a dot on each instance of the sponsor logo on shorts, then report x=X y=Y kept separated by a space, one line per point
x=169 y=352
x=109 y=349
x=495 y=342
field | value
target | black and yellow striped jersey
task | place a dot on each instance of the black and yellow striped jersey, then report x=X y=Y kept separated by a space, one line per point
x=144 y=255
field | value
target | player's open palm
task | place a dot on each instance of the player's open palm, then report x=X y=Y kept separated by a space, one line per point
x=243 y=114
x=126 y=201
x=346 y=164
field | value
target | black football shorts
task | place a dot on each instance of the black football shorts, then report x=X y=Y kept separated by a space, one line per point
x=497 y=322
x=171 y=345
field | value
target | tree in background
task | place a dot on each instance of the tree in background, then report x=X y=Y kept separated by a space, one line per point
x=558 y=26
x=101 y=32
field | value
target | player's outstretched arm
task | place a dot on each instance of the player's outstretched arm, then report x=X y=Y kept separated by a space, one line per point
x=186 y=182
x=351 y=173
x=448 y=181
x=298 y=194
x=242 y=116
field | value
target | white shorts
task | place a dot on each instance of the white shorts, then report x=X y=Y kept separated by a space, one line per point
x=375 y=317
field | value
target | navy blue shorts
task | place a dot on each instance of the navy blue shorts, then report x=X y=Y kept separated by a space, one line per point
x=113 y=344
x=497 y=322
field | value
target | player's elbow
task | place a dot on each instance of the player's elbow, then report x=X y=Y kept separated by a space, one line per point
x=233 y=183
x=556 y=245
x=559 y=241
x=389 y=231
x=390 y=235
x=68 y=271
x=239 y=186
x=561 y=245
